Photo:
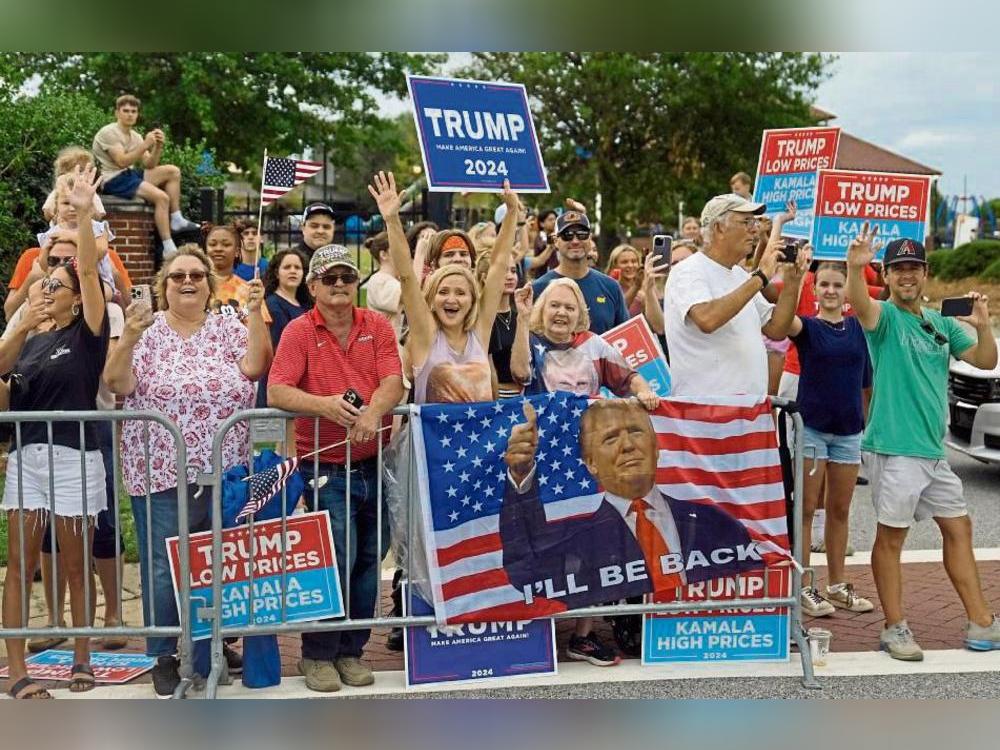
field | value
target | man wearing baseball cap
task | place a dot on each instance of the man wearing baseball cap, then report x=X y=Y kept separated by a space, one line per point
x=334 y=348
x=603 y=295
x=317 y=228
x=714 y=312
x=911 y=480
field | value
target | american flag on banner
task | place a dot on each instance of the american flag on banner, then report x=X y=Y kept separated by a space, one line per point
x=266 y=485
x=720 y=452
x=281 y=175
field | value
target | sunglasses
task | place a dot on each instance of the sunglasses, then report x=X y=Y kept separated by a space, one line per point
x=331 y=279
x=568 y=235
x=52 y=285
x=56 y=260
x=939 y=338
x=178 y=277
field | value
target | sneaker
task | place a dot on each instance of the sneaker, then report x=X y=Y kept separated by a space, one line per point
x=814 y=605
x=353 y=672
x=898 y=641
x=842 y=595
x=233 y=659
x=820 y=546
x=320 y=675
x=589 y=648
x=182 y=224
x=166 y=676
x=979 y=638
x=395 y=640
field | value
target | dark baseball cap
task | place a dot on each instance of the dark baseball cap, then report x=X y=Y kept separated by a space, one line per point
x=904 y=250
x=572 y=219
x=317 y=208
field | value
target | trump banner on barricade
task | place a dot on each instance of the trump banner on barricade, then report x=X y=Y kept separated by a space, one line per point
x=479 y=651
x=733 y=634
x=292 y=576
x=475 y=134
x=898 y=204
x=636 y=343
x=786 y=171
x=554 y=502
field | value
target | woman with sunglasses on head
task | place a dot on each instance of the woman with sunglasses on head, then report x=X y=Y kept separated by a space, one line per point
x=59 y=370
x=451 y=320
x=196 y=369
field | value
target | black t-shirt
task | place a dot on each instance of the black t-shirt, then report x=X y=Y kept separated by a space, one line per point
x=502 y=342
x=60 y=371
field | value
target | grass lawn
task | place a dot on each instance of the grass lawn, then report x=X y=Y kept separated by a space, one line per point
x=125 y=519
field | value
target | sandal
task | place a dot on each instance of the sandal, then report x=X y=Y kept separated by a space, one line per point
x=82 y=678
x=44 y=643
x=19 y=690
x=113 y=642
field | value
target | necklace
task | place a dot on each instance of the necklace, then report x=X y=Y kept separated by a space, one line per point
x=506 y=318
x=838 y=326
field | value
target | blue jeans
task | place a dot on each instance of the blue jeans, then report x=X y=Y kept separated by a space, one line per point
x=158 y=597
x=361 y=571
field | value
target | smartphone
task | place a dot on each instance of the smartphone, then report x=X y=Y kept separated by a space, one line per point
x=956 y=306
x=352 y=397
x=142 y=293
x=661 y=249
x=790 y=251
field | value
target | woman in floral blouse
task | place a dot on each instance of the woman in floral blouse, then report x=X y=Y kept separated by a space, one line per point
x=197 y=369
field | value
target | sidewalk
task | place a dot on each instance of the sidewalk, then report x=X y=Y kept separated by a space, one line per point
x=934 y=612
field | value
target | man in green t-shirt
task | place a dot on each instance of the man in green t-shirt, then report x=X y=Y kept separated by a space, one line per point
x=910 y=477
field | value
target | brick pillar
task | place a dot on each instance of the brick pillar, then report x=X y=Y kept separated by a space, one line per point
x=135 y=236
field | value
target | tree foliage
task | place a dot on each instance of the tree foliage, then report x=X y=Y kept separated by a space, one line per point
x=648 y=130
x=240 y=102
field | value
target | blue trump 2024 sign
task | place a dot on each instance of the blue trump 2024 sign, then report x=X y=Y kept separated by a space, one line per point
x=474 y=134
x=477 y=651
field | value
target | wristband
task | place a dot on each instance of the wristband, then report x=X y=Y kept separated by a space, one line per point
x=758 y=274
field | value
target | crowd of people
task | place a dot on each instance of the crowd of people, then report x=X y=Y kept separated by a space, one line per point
x=512 y=306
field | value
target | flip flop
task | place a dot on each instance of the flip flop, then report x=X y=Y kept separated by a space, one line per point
x=82 y=678
x=17 y=691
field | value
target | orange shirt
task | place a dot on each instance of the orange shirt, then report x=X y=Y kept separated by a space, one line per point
x=29 y=256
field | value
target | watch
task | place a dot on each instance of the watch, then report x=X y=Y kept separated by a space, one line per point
x=758 y=274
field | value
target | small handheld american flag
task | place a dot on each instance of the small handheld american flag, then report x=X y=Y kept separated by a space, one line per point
x=281 y=175
x=266 y=485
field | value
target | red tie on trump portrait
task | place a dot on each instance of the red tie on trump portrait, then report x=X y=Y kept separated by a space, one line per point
x=654 y=547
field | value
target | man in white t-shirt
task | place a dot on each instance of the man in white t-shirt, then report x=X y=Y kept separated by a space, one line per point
x=714 y=312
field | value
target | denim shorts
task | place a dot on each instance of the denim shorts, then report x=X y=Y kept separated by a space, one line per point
x=840 y=449
x=123 y=185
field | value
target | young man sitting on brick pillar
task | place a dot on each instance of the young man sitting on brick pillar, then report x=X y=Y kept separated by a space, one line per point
x=117 y=147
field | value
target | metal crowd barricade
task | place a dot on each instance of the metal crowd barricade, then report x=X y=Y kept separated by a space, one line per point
x=181 y=631
x=270 y=424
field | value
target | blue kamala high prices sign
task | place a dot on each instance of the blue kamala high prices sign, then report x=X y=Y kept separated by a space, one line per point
x=473 y=134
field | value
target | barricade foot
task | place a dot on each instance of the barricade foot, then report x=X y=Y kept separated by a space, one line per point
x=808 y=676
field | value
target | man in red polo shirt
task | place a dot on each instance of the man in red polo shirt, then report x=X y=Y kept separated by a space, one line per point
x=323 y=353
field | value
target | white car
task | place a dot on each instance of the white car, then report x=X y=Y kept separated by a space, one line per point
x=974 y=411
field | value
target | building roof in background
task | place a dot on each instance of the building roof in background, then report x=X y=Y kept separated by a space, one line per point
x=855 y=153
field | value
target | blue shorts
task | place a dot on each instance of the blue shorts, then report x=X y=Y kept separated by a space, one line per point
x=124 y=184
x=840 y=449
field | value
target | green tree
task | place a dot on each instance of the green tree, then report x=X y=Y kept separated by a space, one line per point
x=648 y=130
x=238 y=102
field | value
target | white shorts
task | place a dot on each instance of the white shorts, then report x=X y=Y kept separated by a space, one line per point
x=907 y=489
x=67 y=480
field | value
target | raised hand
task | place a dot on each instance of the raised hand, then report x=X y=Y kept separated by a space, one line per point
x=81 y=196
x=256 y=297
x=862 y=249
x=523 y=299
x=138 y=317
x=510 y=198
x=651 y=271
x=575 y=205
x=980 y=318
x=383 y=190
x=522 y=446
x=771 y=256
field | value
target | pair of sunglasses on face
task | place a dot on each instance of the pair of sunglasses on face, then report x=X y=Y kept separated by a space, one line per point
x=568 y=235
x=331 y=279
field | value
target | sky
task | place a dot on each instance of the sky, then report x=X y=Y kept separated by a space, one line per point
x=941 y=109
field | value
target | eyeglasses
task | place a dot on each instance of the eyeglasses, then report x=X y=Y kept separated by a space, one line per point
x=749 y=223
x=568 y=235
x=939 y=338
x=52 y=285
x=55 y=260
x=331 y=279
x=179 y=277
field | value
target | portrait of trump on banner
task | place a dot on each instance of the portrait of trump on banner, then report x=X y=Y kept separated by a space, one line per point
x=637 y=540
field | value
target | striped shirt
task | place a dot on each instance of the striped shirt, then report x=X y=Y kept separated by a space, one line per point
x=311 y=359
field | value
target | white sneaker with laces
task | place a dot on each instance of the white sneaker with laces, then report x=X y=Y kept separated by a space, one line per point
x=899 y=642
x=814 y=605
x=842 y=595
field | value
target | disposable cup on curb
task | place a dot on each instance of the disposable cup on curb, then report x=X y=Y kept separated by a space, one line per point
x=819 y=645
